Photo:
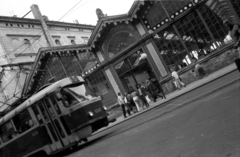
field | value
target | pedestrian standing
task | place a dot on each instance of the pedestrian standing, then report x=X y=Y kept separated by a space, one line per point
x=121 y=103
x=234 y=32
x=177 y=80
x=131 y=102
x=153 y=90
x=136 y=100
x=127 y=104
x=161 y=91
x=142 y=95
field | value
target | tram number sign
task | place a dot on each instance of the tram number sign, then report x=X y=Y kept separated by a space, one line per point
x=34 y=133
x=97 y=110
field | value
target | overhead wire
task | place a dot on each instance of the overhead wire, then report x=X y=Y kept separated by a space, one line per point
x=70 y=10
x=79 y=7
x=41 y=33
x=9 y=83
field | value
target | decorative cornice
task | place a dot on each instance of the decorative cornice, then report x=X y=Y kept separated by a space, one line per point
x=25 y=54
x=19 y=20
x=71 y=37
x=56 y=36
x=71 y=25
x=22 y=35
x=103 y=22
x=44 y=54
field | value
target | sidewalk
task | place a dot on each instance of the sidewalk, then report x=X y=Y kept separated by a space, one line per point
x=198 y=83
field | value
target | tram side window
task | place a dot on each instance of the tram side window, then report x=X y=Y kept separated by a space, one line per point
x=44 y=113
x=23 y=121
x=55 y=104
x=49 y=108
x=7 y=132
x=35 y=110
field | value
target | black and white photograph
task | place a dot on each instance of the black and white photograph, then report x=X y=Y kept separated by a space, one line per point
x=120 y=78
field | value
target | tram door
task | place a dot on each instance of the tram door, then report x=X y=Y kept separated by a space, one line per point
x=51 y=106
x=52 y=123
x=47 y=124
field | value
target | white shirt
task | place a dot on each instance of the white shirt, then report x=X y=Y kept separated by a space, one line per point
x=120 y=100
x=140 y=91
x=175 y=75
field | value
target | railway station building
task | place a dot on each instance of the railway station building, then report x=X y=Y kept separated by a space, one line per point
x=152 y=39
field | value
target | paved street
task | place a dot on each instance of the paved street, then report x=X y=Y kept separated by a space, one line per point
x=208 y=127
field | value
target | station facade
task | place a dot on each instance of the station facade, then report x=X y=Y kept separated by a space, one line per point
x=151 y=40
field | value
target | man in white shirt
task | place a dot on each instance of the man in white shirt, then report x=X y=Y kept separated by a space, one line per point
x=122 y=104
x=177 y=80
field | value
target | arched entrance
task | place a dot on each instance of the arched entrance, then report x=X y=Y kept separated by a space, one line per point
x=134 y=69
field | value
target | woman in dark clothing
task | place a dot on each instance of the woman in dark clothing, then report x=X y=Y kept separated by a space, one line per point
x=153 y=90
x=161 y=91
x=131 y=102
x=142 y=95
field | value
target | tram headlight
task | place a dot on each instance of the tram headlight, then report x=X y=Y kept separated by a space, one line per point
x=90 y=114
x=105 y=108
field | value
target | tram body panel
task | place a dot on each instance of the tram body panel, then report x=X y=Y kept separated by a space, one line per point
x=35 y=138
x=80 y=117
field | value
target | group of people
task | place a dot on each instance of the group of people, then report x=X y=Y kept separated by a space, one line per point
x=133 y=100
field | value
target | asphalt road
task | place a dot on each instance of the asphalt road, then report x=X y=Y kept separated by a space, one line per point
x=206 y=127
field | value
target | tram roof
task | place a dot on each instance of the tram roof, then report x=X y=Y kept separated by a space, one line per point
x=36 y=97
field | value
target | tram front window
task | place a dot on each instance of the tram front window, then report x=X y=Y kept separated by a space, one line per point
x=75 y=95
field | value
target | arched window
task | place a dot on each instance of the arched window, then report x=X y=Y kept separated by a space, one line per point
x=26 y=42
x=57 y=42
x=73 y=42
x=120 y=41
x=15 y=43
x=27 y=47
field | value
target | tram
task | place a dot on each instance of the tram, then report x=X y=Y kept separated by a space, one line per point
x=57 y=117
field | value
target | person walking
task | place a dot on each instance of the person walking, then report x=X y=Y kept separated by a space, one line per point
x=177 y=80
x=142 y=95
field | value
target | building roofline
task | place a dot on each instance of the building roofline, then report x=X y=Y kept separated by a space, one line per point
x=42 y=51
x=64 y=24
x=16 y=64
x=19 y=20
x=114 y=19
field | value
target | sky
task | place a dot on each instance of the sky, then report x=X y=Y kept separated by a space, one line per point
x=84 y=12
